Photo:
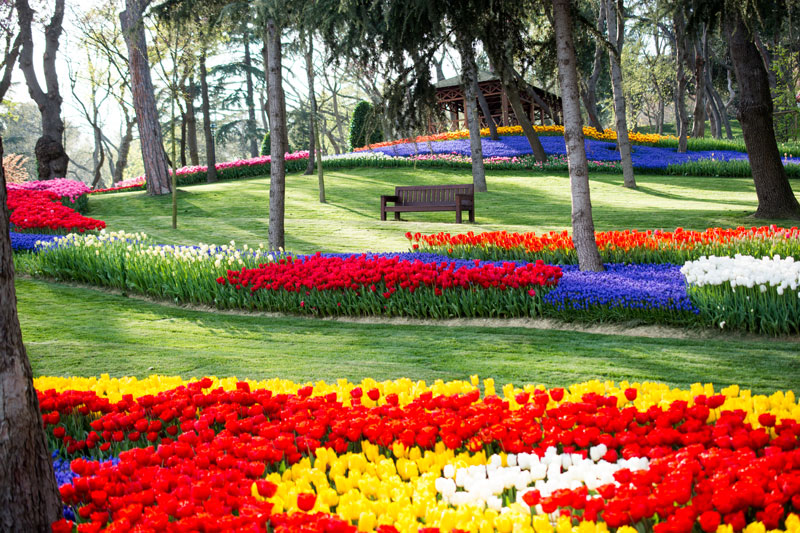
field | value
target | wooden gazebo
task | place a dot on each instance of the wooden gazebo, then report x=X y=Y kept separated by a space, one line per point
x=451 y=101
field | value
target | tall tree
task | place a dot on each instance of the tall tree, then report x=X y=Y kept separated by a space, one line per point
x=615 y=15
x=144 y=100
x=211 y=154
x=51 y=158
x=681 y=120
x=278 y=135
x=307 y=41
x=29 y=494
x=775 y=196
x=589 y=86
x=469 y=82
x=582 y=223
x=252 y=128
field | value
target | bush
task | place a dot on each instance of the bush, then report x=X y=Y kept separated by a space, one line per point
x=364 y=121
x=265 y=145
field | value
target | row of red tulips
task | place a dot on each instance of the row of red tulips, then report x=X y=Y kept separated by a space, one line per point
x=42 y=211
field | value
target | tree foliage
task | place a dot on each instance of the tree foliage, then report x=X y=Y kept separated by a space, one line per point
x=364 y=126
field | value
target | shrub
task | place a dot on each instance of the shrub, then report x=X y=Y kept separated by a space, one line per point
x=265 y=145
x=364 y=122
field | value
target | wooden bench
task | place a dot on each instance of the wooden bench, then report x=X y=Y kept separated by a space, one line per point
x=424 y=198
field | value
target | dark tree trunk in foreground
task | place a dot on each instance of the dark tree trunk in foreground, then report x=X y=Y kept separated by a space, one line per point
x=582 y=223
x=52 y=160
x=211 y=154
x=144 y=101
x=469 y=79
x=487 y=113
x=250 y=99
x=775 y=196
x=616 y=34
x=681 y=120
x=191 y=123
x=277 y=124
x=29 y=495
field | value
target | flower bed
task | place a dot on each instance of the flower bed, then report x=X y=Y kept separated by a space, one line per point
x=743 y=292
x=72 y=192
x=42 y=211
x=405 y=456
x=629 y=246
x=361 y=285
x=227 y=170
x=30 y=242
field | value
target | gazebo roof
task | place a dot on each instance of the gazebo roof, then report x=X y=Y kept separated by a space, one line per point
x=456 y=80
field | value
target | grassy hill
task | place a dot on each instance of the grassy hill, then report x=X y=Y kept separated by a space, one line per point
x=82 y=331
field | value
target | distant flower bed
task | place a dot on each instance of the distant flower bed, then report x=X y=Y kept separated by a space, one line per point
x=169 y=454
x=30 y=242
x=629 y=246
x=41 y=211
x=648 y=158
x=228 y=170
x=588 y=131
x=64 y=188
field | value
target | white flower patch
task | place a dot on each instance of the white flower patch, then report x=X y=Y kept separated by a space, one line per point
x=744 y=271
x=483 y=485
x=366 y=156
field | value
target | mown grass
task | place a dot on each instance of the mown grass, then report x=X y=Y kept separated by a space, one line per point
x=224 y=211
x=83 y=332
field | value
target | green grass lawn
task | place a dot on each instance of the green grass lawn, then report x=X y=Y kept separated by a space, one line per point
x=350 y=221
x=78 y=331
x=82 y=331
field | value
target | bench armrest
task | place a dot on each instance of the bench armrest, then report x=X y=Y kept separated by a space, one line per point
x=461 y=197
x=390 y=198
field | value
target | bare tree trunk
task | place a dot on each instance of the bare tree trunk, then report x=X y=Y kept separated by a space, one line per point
x=191 y=123
x=144 y=100
x=29 y=495
x=616 y=34
x=681 y=120
x=124 y=150
x=250 y=100
x=582 y=224
x=211 y=155
x=183 y=140
x=775 y=196
x=720 y=105
x=99 y=157
x=699 y=128
x=312 y=99
x=512 y=91
x=589 y=89
x=52 y=159
x=487 y=113
x=339 y=122
x=469 y=79
x=277 y=123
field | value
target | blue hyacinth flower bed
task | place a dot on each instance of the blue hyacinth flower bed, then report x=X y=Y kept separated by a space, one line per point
x=26 y=242
x=644 y=157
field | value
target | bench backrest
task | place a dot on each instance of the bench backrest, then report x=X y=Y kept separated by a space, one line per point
x=432 y=194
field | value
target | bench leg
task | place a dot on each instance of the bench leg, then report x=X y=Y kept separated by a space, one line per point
x=458 y=214
x=472 y=215
x=383 y=214
x=397 y=215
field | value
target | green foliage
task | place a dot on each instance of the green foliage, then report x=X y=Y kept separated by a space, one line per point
x=364 y=124
x=747 y=308
x=266 y=147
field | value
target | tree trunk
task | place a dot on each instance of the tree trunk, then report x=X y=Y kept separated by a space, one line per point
x=191 y=123
x=616 y=34
x=277 y=123
x=124 y=150
x=250 y=99
x=320 y=174
x=144 y=100
x=469 y=80
x=589 y=89
x=183 y=140
x=720 y=105
x=582 y=224
x=312 y=100
x=681 y=120
x=699 y=128
x=775 y=196
x=99 y=157
x=512 y=91
x=29 y=495
x=51 y=158
x=487 y=113
x=211 y=155
x=339 y=122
